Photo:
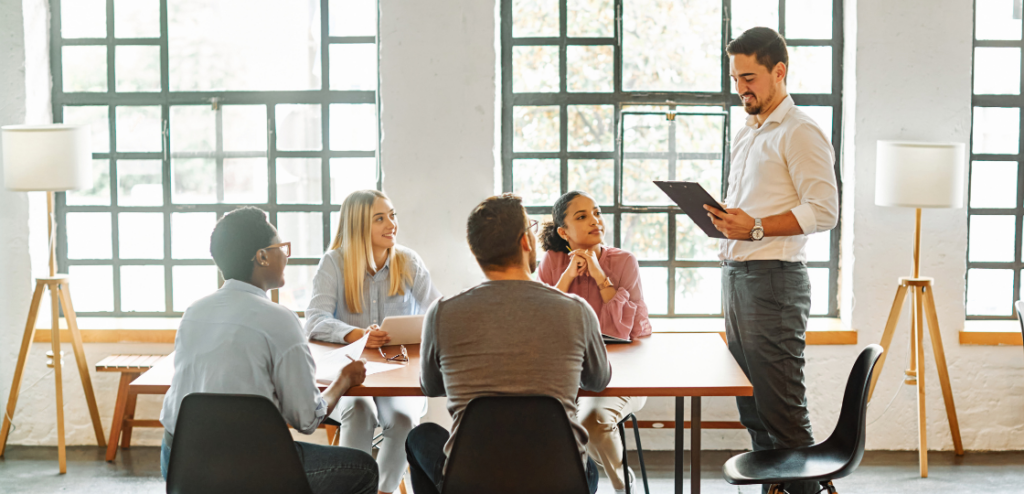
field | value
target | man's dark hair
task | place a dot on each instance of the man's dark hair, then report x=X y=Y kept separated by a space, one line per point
x=236 y=238
x=493 y=231
x=766 y=45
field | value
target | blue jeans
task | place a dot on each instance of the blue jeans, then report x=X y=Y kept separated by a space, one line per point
x=329 y=469
x=425 y=447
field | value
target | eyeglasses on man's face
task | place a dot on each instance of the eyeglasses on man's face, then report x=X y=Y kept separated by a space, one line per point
x=285 y=247
x=533 y=226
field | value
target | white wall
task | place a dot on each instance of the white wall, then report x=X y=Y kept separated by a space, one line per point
x=438 y=89
x=907 y=76
x=15 y=271
x=914 y=64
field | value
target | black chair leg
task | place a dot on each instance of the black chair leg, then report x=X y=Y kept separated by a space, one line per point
x=639 y=452
x=625 y=459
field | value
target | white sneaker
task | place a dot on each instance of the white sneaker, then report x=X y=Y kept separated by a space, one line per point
x=632 y=483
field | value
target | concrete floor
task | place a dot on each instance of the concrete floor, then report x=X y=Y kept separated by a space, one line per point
x=27 y=469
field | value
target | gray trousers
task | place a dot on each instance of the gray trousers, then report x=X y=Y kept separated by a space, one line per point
x=766 y=306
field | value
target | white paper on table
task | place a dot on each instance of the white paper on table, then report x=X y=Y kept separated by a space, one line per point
x=331 y=363
x=378 y=367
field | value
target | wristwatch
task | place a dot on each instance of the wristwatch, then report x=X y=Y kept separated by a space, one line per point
x=757 y=233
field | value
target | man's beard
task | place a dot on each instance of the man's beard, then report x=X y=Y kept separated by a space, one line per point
x=751 y=109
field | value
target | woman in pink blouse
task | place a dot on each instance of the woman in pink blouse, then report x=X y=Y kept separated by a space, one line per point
x=608 y=279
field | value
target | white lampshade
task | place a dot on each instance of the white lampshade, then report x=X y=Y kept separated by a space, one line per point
x=53 y=157
x=920 y=174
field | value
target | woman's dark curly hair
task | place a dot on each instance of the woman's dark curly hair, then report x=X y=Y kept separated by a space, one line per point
x=549 y=237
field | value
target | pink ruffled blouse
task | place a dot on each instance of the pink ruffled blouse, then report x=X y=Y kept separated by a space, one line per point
x=625 y=315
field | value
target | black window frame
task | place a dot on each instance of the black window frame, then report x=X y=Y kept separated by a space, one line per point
x=996 y=101
x=165 y=99
x=622 y=100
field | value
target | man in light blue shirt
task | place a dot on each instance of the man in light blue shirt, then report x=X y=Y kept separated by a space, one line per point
x=238 y=341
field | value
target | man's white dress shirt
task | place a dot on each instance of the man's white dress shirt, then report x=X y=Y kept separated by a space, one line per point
x=786 y=164
x=238 y=341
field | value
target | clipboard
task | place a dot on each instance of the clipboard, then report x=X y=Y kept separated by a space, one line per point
x=691 y=197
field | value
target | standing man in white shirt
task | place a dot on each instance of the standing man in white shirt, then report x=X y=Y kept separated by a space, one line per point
x=782 y=188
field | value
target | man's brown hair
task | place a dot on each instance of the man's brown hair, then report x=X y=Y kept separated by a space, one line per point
x=494 y=229
x=767 y=46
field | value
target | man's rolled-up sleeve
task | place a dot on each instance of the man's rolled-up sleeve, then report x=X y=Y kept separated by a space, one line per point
x=810 y=159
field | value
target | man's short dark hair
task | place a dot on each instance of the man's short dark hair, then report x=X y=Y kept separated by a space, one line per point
x=766 y=45
x=494 y=229
x=236 y=239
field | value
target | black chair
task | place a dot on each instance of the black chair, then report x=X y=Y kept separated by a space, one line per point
x=1017 y=306
x=836 y=457
x=513 y=445
x=233 y=443
x=639 y=452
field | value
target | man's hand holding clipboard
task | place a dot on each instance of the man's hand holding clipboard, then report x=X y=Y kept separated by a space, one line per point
x=696 y=202
x=720 y=222
x=734 y=223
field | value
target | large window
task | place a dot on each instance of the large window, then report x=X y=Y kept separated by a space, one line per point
x=607 y=95
x=196 y=108
x=995 y=210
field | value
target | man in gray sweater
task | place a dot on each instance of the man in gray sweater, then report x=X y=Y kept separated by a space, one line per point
x=507 y=336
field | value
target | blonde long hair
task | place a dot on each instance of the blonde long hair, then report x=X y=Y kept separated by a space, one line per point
x=353 y=238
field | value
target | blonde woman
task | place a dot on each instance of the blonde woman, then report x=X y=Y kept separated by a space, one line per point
x=365 y=277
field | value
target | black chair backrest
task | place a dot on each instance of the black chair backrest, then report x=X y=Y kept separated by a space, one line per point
x=1020 y=317
x=515 y=444
x=847 y=440
x=233 y=443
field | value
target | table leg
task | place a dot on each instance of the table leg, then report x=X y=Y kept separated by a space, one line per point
x=129 y=414
x=680 y=430
x=118 y=420
x=695 y=445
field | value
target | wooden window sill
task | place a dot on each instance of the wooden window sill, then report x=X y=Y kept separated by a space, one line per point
x=821 y=331
x=115 y=330
x=991 y=333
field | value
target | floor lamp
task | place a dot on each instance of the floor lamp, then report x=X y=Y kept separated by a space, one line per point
x=920 y=175
x=50 y=158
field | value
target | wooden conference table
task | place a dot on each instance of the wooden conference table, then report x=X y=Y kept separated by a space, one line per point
x=664 y=364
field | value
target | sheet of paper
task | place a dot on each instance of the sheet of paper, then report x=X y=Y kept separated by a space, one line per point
x=328 y=366
x=378 y=367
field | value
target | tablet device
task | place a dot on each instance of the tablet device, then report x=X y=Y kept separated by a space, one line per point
x=403 y=330
x=608 y=339
x=691 y=197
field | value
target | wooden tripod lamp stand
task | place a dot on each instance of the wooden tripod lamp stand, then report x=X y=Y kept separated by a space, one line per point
x=920 y=175
x=50 y=158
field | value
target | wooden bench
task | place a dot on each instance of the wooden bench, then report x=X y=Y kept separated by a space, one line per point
x=130 y=367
